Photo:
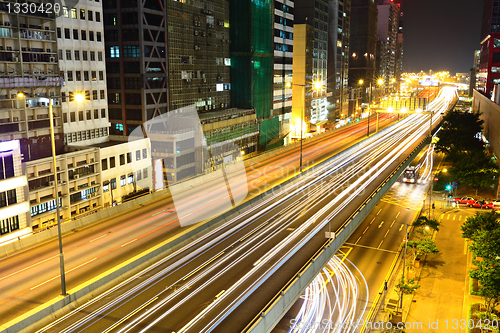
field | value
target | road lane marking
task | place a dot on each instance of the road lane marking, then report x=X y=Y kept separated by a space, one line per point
x=372 y=221
x=130 y=315
x=219 y=294
x=380 y=244
x=386 y=234
x=448 y=217
x=256 y=229
x=392 y=223
x=401 y=227
x=442 y=216
x=370 y=247
x=380 y=224
x=365 y=230
x=398 y=214
x=133 y=240
x=158 y=212
x=98 y=238
x=357 y=240
x=205 y=264
x=454 y=216
x=68 y=271
x=379 y=211
x=22 y=270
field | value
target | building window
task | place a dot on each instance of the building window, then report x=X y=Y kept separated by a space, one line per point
x=77 y=55
x=94 y=94
x=90 y=16
x=131 y=178
x=123 y=180
x=58 y=32
x=98 y=36
x=87 y=95
x=65 y=12
x=80 y=115
x=97 y=16
x=85 y=55
x=102 y=94
x=129 y=157
x=145 y=173
x=113 y=183
x=91 y=36
x=101 y=78
x=66 y=34
x=99 y=56
x=68 y=54
x=70 y=76
x=92 y=56
x=122 y=159
x=96 y=114
x=144 y=153
x=78 y=75
x=86 y=75
x=105 y=188
x=111 y=162
x=73 y=13
x=103 y=113
x=137 y=155
x=139 y=175
x=82 y=14
x=65 y=117
x=84 y=35
x=72 y=116
x=114 y=51
x=93 y=75
x=75 y=34
x=104 y=164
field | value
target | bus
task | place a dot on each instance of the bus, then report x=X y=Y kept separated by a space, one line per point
x=410 y=175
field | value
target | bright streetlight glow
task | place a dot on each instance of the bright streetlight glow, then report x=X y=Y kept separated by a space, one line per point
x=288 y=85
x=20 y=94
x=317 y=85
x=380 y=81
x=404 y=109
x=79 y=98
x=390 y=109
x=445 y=170
x=418 y=110
x=361 y=81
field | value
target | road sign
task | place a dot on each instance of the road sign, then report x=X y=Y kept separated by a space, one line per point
x=454 y=183
x=436 y=179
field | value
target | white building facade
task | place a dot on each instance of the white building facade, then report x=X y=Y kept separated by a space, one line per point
x=80 y=37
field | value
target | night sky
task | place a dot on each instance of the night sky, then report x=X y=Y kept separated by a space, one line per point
x=441 y=34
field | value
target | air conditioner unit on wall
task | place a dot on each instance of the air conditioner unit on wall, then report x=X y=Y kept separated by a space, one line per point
x=52 y=59
x=76 y=176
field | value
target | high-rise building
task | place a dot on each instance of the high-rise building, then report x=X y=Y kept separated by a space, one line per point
x=363 y=42
x=80 y=42
x=387 y=31
x=315 y=14
x=29 y=65
x=198 y=54
x=136 y=63
x=283 y=61
x=252 y=55
x=339 y=18
x=489 y=68
x=399 y=50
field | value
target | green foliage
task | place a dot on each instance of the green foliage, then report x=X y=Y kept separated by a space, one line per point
x=423 y=246
x=407 y=287
x=478 y=222
x=458 y=133
x=475 y=169
x=423 y=221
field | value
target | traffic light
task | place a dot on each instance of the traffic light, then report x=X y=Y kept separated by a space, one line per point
x=448 y=187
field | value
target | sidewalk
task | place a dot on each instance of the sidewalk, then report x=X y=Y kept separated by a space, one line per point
x=442 y=278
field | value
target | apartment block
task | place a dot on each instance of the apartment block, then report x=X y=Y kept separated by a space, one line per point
x=80 y=41
x=29 y=80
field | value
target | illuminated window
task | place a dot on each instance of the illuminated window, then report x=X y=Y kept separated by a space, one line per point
x=114 y=51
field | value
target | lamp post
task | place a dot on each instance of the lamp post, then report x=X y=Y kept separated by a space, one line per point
x=316 y=86
x=78 y=98
x=379 y=82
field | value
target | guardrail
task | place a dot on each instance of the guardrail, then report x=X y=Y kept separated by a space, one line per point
x=286 y=297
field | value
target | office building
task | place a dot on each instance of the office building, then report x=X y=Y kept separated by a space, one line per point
x=198 y=55
x=400 y=42
x=29 y=65
x=363 y=42
x=489 y=67
x=136 y=63
x=387 y=46
x=80 y=42
x=315 y=14
x=283 y=61
x=14 y=202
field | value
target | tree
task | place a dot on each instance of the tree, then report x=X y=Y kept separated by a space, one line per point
x=423 y=221
x=486 y=246
x=475 y=169
x=478 y=222
x=407 y=287
x=459 y=133
x=421 y=247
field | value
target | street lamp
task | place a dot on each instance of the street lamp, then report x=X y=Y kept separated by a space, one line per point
x=379 y=82
x=78 y=97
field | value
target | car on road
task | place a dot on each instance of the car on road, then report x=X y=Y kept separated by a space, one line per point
x=465 y=200
x=496 y=204
x=481 y=204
